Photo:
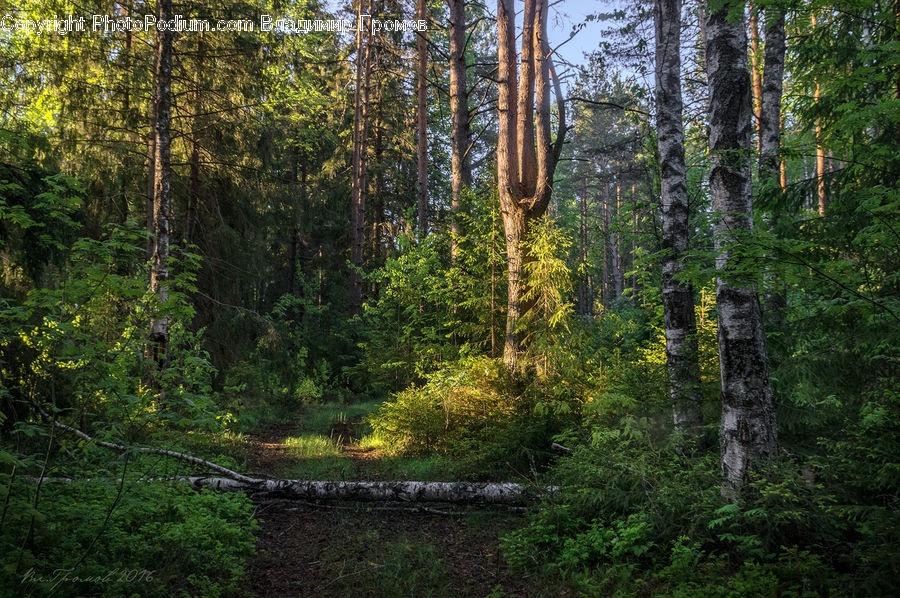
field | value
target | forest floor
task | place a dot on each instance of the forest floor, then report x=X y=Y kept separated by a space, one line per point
x=354 y=549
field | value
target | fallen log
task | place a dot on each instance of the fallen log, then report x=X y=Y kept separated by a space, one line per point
x=398 y=491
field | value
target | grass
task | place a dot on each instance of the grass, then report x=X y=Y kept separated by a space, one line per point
x=311 y=446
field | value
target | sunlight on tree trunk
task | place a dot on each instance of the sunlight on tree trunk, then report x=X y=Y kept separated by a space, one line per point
x=526 y=155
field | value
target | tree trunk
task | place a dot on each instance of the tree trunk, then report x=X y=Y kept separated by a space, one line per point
x=748 y=413
x=604 y=234
x=400 y=491
x=820 y=151
x=755 y=71
x=770 y=109
x=422 y=125
x=770 y=171
x=584 y=300
x=461 y=172
x=526 y=156
x=619 y=258
x=360 y=149
x=678 y=296
x=159 y=266
x=194 y=161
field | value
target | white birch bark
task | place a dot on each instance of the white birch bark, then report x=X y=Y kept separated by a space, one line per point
x=748 y=413
x=678 y=297
x=159 y=259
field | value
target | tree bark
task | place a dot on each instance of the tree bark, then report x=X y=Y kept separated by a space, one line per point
x=618 y=259
x=461 y=171
x=584 y=301
x=360 y=150
x=677 y=295
x=526 y=156
x=159 y=261
x=820 y=151
x=400 y=491
x=422 y=125
x=748 y=413
x=194 y=161
x=604 y=234
x=755 y=72
x=770 y=109
x=770 y=169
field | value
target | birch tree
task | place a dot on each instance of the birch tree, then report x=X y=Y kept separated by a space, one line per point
x=526 y=154
x=162 y=151
x=772 y=87
x=748 y=413
x=677 y=296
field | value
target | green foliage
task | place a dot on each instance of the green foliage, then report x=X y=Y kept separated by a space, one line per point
x=468 y=411
x=153 y=539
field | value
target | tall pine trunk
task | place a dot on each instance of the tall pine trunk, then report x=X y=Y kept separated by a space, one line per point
x=460 y=169
x=421 y=125
x=360 y=150
x=820 y=151
x=159 y=259
x=748 y=413
x=677 y=296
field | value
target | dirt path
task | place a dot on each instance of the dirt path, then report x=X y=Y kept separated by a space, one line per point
x=353 y=549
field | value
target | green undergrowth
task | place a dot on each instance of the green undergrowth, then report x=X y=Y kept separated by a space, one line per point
x=137 y=539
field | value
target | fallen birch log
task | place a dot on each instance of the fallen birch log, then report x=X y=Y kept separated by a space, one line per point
x=398 y=491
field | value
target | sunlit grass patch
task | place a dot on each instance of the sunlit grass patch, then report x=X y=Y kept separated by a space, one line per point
x=378 y=441
x=310 y=446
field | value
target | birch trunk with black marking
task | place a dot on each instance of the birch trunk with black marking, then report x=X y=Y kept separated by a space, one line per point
x=772 y=89
x=399 y=491
x=421 y=125
x=460 y=169
x=526 y=155
x=677 y=296
x=159 y=259
x=748 y=413
x=770 y=119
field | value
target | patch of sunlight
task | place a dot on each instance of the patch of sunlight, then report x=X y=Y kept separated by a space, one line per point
x=377 y=441
x=306 y=446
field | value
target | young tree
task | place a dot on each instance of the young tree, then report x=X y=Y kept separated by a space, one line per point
x=677 y=296
x=748 y=413
x=526 y=154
